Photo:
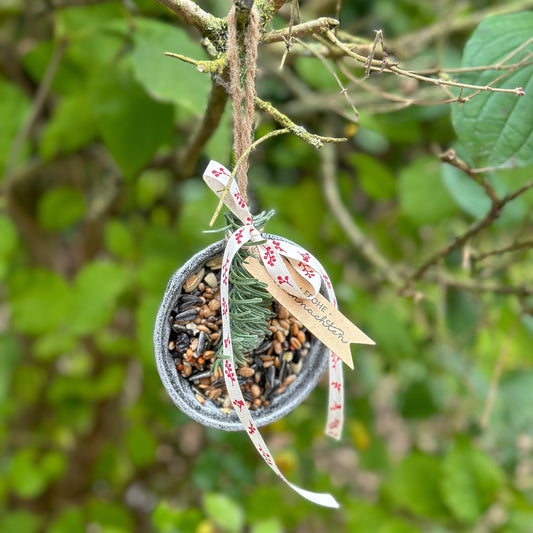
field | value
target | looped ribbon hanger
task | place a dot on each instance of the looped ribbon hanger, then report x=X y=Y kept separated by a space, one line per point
x=273 y=255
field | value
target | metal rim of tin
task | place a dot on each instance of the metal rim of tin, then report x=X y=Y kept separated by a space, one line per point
x=179 y=389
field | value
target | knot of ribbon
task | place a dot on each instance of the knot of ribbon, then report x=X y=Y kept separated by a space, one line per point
x=273 y=255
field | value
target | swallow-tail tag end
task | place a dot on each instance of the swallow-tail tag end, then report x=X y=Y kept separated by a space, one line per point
x=316 y=313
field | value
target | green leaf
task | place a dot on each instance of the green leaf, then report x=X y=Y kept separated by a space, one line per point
x=315 y=74
x=69 y=521
x=11 y=352
x=470 y=479
x=219 y=145
x=375 y=178
x=78 y=22
x=224 y=512
x=496 y=129
x=72 y=126
x=20 y=522
x=53 y=464
x=151 y=186
x=519 y=522
x=169 y=519
x=165 y=78
x=29 y=474
x=472 y=198
x=423 y=197
x=60 y=207
x=110 y=516
x=363 y=517
x=8 y=243
x=463 y=314
x=40 y=300
x=415 y=486
x=389 y=328
x=142 y=445
x=70 y=76
x=94 y=296
x=8 y=236
x=120 y=240
x=270 y=525
x=144 y=317
x=509 y=419
x=417 y=400
x=132 y=125
x=14 y=107
x=468 y=195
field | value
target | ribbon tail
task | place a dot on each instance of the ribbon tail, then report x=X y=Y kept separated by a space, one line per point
x=218 y=179
x=302 y=263
x=335 y=418
x=238 y=239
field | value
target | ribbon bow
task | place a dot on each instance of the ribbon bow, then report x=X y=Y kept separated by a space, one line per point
x=272 y=253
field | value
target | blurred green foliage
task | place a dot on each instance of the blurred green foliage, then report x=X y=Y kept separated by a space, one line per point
x=95 y=215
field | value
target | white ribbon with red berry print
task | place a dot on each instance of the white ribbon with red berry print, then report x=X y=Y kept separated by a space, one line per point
x=272 y=253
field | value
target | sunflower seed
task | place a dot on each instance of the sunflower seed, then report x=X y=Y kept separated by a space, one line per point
x=202 y=343
x=186 y=316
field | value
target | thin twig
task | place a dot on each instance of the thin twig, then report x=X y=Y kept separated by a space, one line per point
x=289 y=40
x=462 y=70
x=498 y=368
x=371 y=55
x=191 y=13
x=214 y=66
x=38 y=103
x=310 y=138
x=458 y=241
x=213 y=113
x=403 y=101
x=346 y=221
x=521 y=245
x=411 y=44
x=450 y=157
x=393 y=68
x=476 y=286
x=267 y=9
x=247 y=152
x=325 y=62
x=319 y=25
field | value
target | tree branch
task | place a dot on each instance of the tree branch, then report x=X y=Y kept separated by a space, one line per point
x=213 y=113
x=387 y=66
x=191 y=13
x=314 y=140
x=345 y=220
x=451 y=157
x=522 y=245
x=319 y=25
x=38 y=103
x=460 y=240
x=474 y=285
x=267 y=9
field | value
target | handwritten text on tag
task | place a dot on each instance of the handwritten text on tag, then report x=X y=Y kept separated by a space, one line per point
x=317 y=314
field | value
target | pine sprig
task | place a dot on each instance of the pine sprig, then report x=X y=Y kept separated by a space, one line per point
x=250 y=305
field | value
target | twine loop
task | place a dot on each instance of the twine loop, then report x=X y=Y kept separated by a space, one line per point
x=242 y=70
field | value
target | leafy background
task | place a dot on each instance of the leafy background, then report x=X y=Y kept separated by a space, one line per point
x=96 y=214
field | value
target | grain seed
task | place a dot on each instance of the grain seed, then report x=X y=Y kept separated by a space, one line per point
x=211 y=280
x=246 y=372
x=200 y=398
x=215 y=263
x=193 y=281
